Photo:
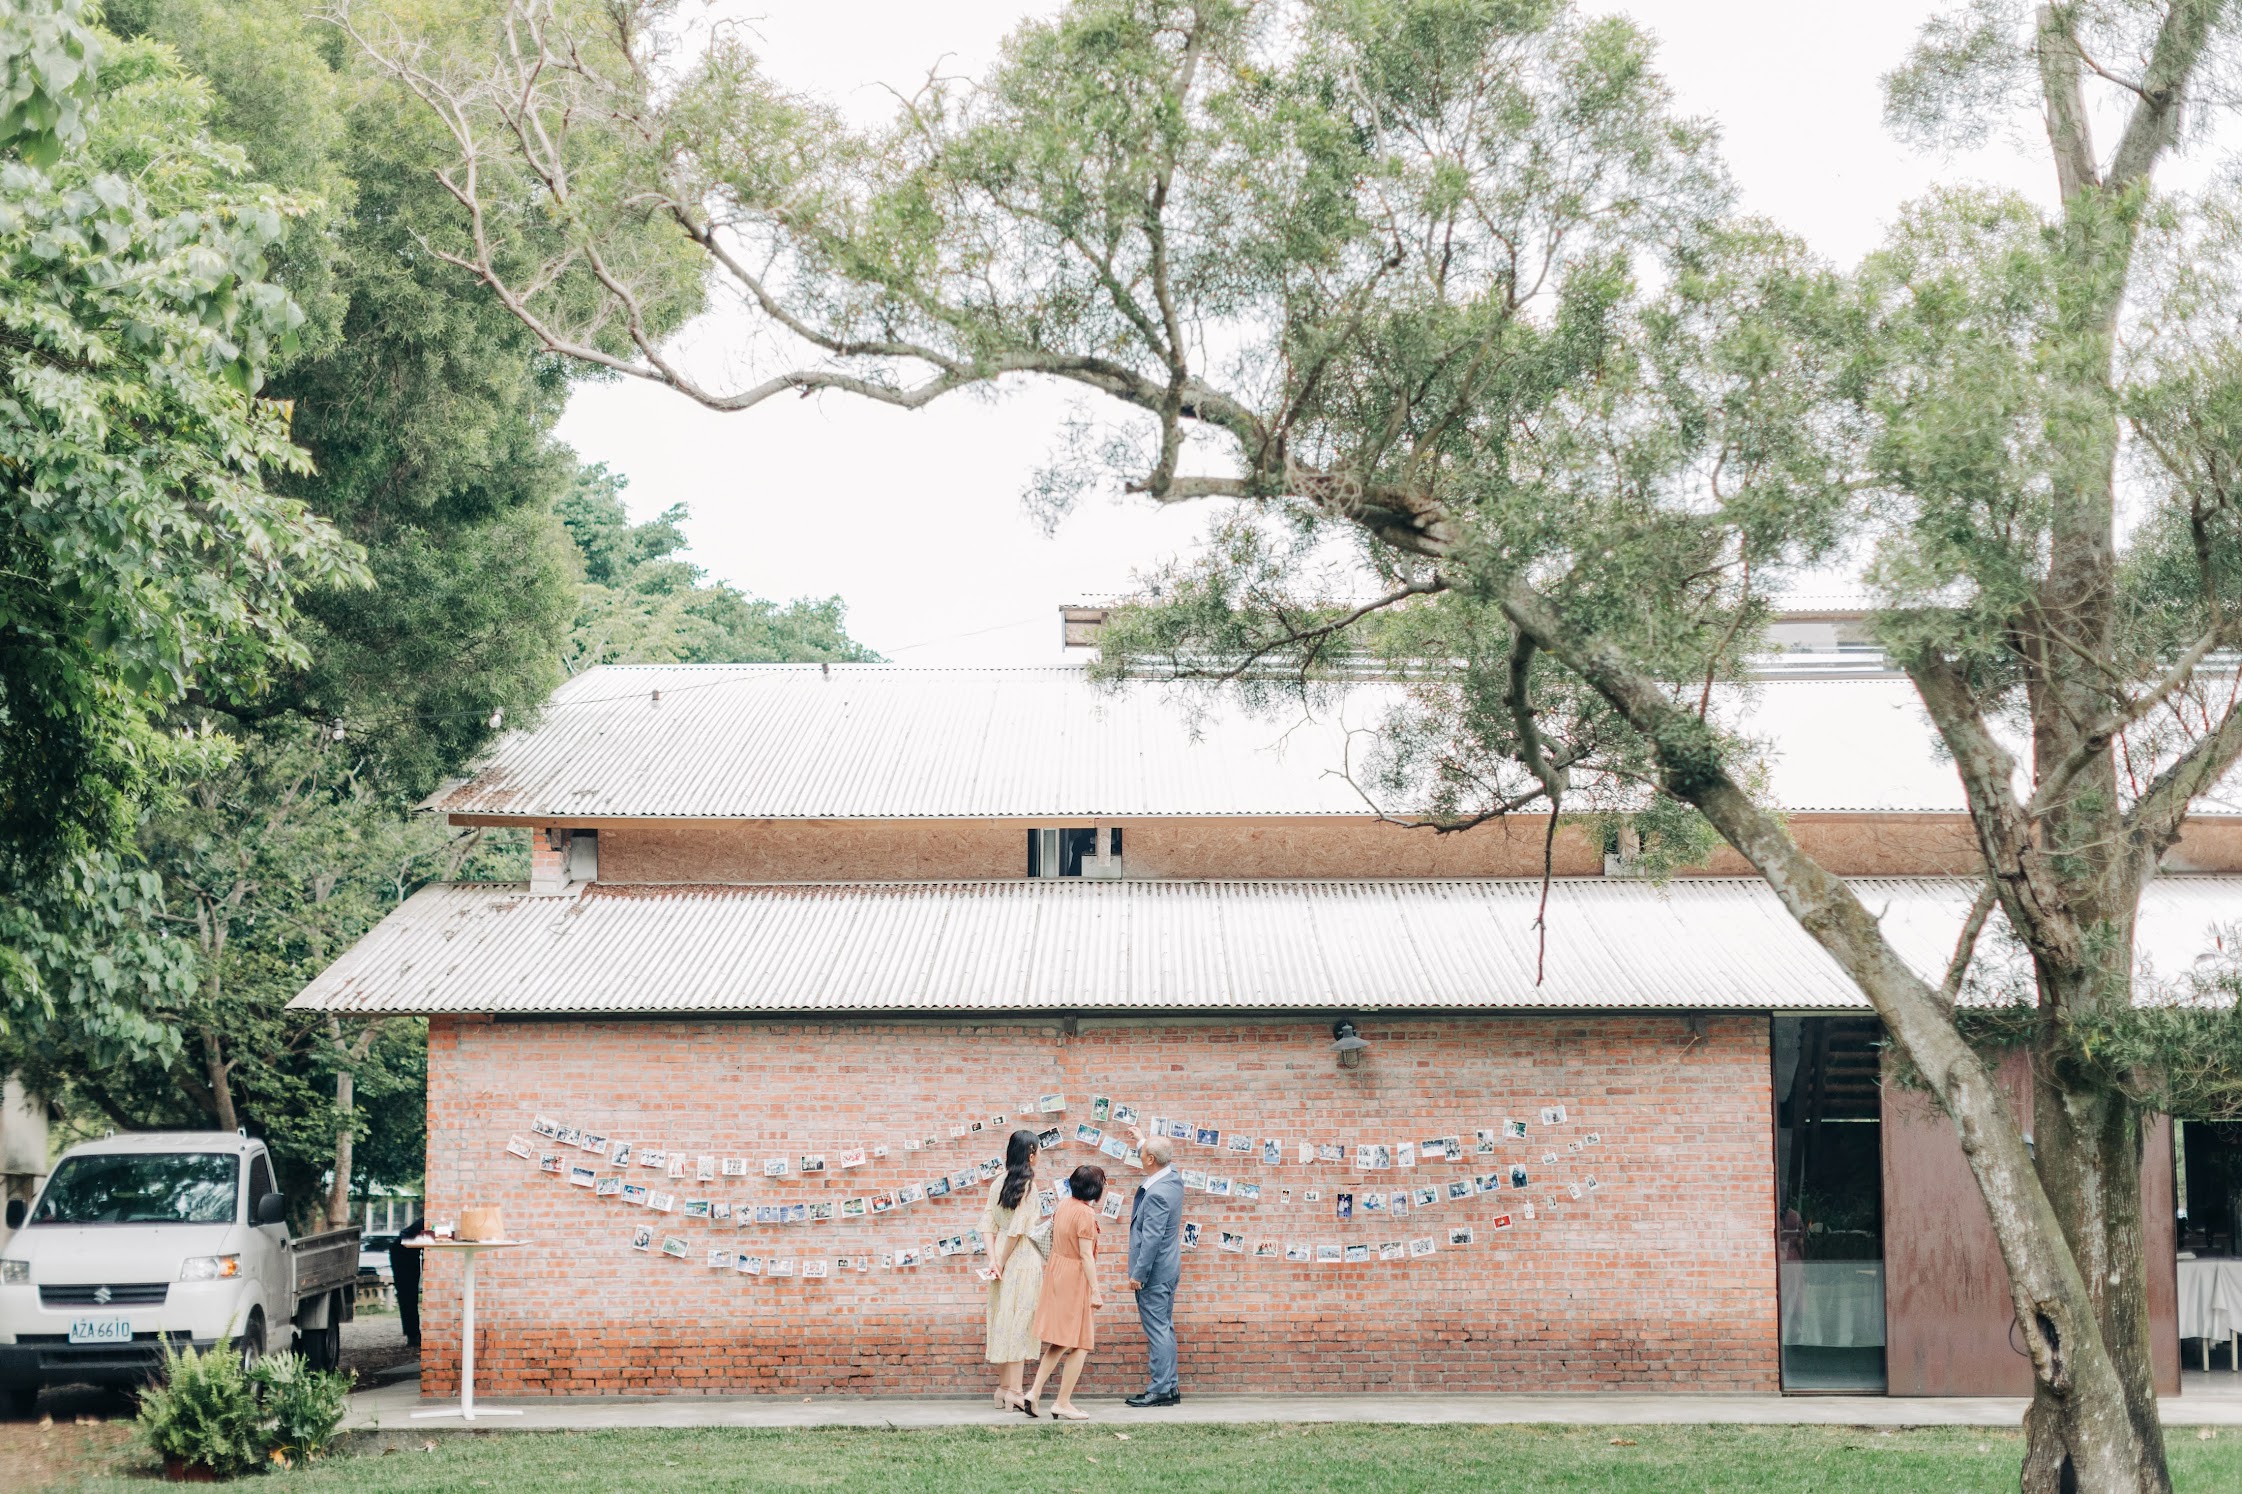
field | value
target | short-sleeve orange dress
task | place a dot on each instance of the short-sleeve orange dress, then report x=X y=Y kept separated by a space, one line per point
x=1064 y=1318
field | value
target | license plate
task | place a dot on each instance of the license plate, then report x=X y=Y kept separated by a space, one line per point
x=101 y=1330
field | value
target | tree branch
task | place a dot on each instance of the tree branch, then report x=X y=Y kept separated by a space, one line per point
x=2155 y=122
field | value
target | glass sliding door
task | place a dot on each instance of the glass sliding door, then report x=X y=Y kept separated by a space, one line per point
x=1829 y=1209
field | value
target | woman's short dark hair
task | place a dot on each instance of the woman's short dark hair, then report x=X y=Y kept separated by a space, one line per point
x=1019 y=1169
x=1086 y=1183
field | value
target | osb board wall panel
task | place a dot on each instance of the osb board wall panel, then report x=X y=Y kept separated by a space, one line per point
x=1662 y=1278
x=936 y=850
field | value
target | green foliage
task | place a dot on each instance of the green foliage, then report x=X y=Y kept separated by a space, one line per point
x=207 y=1412
x=203 y=1412
x=641 y=603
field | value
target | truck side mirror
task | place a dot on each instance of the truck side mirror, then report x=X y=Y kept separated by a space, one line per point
x=272 y=1209
x=17 y=1208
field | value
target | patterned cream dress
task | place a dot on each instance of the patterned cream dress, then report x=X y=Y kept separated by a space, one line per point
x=1013 y=1296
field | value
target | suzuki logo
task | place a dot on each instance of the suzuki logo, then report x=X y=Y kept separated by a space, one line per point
x=102 y=1295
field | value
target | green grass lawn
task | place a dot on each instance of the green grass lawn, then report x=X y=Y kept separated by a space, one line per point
x=1235 y=1460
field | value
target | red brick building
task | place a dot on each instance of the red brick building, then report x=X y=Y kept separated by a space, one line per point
x=790 y=914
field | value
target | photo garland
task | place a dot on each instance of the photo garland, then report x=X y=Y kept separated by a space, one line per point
x=1356 y=1203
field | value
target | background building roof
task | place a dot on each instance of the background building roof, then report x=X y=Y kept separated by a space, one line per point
x=880 y=742
x=1026 y=946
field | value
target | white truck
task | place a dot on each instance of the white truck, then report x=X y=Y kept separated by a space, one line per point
x=165 y=1237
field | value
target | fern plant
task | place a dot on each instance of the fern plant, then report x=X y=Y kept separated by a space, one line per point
x=203 y=1413
x=302 y=1406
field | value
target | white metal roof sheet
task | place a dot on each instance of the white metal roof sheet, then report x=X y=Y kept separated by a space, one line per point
x=1178 y=946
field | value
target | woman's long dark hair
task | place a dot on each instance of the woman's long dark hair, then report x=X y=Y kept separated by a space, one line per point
x=1019 y=1169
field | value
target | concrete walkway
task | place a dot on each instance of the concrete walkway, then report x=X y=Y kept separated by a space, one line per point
x=2206 y=1400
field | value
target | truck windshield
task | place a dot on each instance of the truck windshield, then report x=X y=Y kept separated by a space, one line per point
x=142 y=1188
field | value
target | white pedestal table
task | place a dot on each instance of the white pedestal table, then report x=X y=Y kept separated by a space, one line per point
x=467 y=1250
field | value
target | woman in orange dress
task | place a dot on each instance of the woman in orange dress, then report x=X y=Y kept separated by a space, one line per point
x=1066 y=1318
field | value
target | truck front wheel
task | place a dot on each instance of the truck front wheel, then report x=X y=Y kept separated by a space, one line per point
x=250 y=1345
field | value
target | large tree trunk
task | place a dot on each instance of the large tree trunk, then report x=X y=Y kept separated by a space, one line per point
x=218 y=1073
x=338 y=1192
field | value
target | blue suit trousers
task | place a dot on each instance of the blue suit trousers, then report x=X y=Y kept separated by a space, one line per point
x=1156 y=1308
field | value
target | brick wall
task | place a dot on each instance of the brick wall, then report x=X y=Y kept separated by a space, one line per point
x=1663 y=1278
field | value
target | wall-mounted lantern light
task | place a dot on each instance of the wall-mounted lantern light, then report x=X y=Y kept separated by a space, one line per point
x=1347 y=1043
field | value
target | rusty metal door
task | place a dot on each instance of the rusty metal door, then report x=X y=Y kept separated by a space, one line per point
x=1948 y=1319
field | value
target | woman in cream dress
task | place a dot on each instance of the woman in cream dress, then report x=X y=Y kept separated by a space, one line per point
x=1015 y=1267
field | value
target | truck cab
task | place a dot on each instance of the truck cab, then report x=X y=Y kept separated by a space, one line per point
x=172 y=1237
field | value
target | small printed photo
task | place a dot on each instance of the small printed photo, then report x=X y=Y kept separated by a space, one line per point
x=1243 y=1145
x=1191 y=1234
x=882 y=1202
x=1272 y=1153
x=794 y=1214
x=719 y=1211
x=653 y=1156
x=1483 y=1143
x=1362 y=1156
x=910 y=1144
x=1526 y=1209
x=1299 y=1252
x=1329 y=1254
x=673 y=1245
x=1344 y=1204
x=1487 y=1182
x=958 y=1132
x=879 y=1152
x=1232 y=1242
x=780 y=1267
x=1047 y=1202
x=720 y=1260
x=517 y=1146
x=1459 y=1188
x=1101 y=1108
x=774 y=1167
x=1180 y=1130
x=635 y=1193
x=1500 y=1221
x=1572 y=1146
x=1517 y=1177
x=642 y=1238
x=1194 y=1180
x=1050 y=1104
x=544 y=1126
x=937 y=1187
x=812 y=1162
x=909 y=1193
x=1284 y=1195
x=1589 y=1183
x=853 y=1208
x=1356 y=1254
x=975 y=1127
x=622 y=1154
x=964 y=1178
x=735 y=1167
x=677 y=1165
x=1086 y=1134
x=1250 y=1192
x=594 y=1144
x=607 y=1187
x=1115 y=1147
x=818 y=1269
x=1551 y=1115
x=1265 y=1250
x=1549 y=1159
x=1046 y=1140
x=1460 y=1235
x=1126 y=1115
x=1135 y=1158
x=1381 y=1157
x=1425 y=1197
x=1206 y=1135
x=1307 y=1152
x=1110 y=1205
x=1221 y=1187
x=1391 y=1250
x=976 y=1242
x=1373 y=1203
x=1421 y=1247
x=998 y=1123
x=1594 y=1137
x=992 y=1167
x=1405 y=1155
x=1313 y=1195
x=950 y=1245
x=549 y=1162
x=1330 y=1151
x=704 y=1169
x=662 y=1203
x=567 y=1135
x=767 y=1213
x=906 y=1260
x=821 y=1212
x=1397 y=1204
x=1514 y=1129
x=887 y=1260
x=696 y=1208
x=751 y=1265
x=1453 y=1146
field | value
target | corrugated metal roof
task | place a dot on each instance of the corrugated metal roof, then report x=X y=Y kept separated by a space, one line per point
x=1178 y=946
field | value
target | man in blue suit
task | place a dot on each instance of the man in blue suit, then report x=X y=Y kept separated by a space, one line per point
x=1155 y=1261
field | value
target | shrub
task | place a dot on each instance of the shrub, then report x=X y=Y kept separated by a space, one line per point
x=204 y=1413
x=302 y=1406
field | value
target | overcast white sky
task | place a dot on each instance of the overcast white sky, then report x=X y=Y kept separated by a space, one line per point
x=915 y=519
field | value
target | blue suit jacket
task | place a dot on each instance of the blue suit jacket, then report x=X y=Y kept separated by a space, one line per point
x=1156 y=1232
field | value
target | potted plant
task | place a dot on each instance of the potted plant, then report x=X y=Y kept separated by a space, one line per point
x=202 y=1417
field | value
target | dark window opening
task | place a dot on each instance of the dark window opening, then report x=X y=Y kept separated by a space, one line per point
x=1116 y=847
x=1829 y=1191
x=1072 y=853
x=1075 y=847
